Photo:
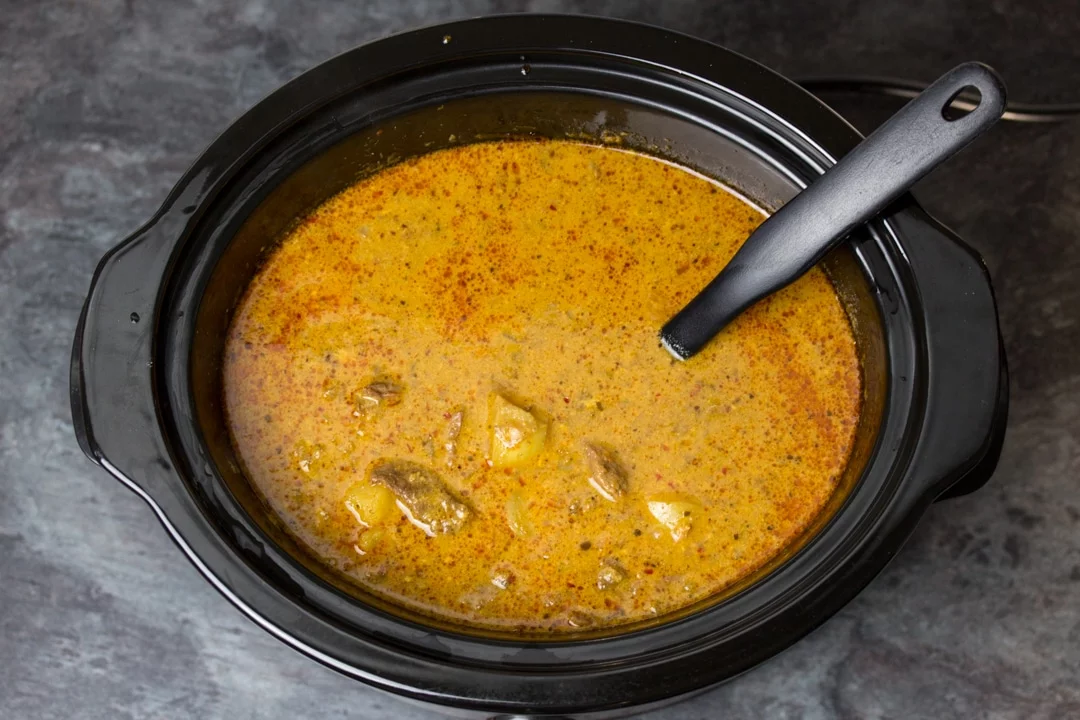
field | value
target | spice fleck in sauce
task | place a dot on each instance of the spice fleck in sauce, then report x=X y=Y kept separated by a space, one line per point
x=447 y=382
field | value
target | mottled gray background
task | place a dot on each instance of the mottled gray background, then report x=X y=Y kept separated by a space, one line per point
x=104 y=104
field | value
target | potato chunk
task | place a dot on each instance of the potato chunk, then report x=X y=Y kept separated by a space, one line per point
x=517 y=515
x=421 y=494
x=369 y=504
x=369 y=541
x=675 y=512
x=517 y=435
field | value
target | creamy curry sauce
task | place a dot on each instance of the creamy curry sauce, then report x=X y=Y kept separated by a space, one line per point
x=446 y=381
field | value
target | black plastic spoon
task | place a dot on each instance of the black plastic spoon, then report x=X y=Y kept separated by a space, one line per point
x=882 y=167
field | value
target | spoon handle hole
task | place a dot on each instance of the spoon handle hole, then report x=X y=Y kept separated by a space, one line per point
x=961 y=102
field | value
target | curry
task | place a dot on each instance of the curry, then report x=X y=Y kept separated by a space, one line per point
x=447 y=383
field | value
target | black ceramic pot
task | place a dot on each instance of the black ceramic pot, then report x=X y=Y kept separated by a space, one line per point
x=145 y=379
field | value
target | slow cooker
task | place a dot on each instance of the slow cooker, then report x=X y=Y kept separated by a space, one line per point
x=146 y=366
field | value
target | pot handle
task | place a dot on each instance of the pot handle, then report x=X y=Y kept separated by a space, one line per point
x=967 y=394
x=112 y=393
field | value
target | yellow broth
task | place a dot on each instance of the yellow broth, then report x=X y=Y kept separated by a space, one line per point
x=473 y=333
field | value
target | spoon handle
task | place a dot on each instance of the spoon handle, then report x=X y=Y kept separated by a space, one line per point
x=877 y=171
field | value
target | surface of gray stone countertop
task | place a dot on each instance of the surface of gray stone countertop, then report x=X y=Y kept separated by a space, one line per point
x=103 y=105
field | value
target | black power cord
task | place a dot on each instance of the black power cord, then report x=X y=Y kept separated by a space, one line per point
x=869 y=85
